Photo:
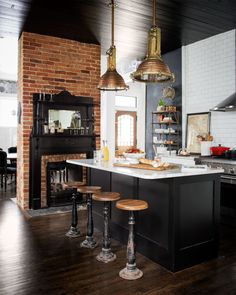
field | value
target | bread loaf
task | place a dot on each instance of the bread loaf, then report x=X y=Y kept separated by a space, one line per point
x=145 y=161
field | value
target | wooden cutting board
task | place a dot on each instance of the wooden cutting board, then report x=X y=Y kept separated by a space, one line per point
x=144 y=166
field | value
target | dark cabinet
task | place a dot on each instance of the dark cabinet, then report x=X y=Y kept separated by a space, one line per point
x=63 y=140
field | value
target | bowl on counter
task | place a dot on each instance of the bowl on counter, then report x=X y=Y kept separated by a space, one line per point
x=133 y=158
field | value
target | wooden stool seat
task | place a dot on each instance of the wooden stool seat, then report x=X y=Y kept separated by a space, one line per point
x=72 y=184
x=132 y=205
x=106 y=196
x=88 y=189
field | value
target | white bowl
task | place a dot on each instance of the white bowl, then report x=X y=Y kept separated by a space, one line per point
x=132 y=160
x=134 y=155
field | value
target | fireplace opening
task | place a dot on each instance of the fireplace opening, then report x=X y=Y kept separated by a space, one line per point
x=58 y=173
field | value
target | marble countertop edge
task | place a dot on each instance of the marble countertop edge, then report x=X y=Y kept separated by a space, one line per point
x=141 y=173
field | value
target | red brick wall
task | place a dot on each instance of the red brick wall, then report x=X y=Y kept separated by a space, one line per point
x=49 y=65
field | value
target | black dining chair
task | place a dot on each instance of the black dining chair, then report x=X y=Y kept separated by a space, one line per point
x=5 y=170
x=12 y=150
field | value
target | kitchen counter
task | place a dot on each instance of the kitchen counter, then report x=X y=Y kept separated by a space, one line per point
x=217 y=160
x=140 y=173
x=180 y=227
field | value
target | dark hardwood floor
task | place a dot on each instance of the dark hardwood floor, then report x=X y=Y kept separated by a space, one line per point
x=37 y=258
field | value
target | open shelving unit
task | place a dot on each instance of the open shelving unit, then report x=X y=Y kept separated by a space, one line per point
x=166 y=130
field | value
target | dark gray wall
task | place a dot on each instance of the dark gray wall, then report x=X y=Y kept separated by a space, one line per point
x=154 y=93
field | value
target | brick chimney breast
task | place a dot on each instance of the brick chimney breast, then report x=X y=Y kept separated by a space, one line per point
x=49 y=65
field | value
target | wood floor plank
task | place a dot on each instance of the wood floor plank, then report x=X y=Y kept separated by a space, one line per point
x=36 y=258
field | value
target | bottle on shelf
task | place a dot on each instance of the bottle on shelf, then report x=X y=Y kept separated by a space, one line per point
x=52 y=128
x=76 y=120
x=105 y=151
x=45 y=127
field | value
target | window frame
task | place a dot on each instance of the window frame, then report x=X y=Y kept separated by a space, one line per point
x=132 y=113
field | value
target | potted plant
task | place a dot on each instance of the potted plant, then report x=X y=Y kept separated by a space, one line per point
x=161 y=105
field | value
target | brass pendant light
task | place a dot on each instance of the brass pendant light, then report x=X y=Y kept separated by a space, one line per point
x=153 y=68
x=111 y=80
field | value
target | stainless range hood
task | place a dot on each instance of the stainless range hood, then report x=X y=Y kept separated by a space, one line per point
x=227 y=105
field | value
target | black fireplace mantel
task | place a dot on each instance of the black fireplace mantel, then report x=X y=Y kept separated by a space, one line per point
x=56 y=144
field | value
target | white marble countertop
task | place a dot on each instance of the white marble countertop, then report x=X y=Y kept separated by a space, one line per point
x=181 y=160
x=141 y=173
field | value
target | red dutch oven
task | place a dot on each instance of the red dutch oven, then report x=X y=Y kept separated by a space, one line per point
x=218 y=150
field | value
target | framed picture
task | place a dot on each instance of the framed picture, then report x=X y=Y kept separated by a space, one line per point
x=197 y=124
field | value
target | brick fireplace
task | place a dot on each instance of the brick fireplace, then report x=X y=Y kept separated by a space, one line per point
x=50 y=65
x=53 y=159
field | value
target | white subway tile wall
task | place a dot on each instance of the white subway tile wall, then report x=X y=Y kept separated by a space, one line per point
x=209 y=76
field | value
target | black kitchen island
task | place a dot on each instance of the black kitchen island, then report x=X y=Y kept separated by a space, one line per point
x=180 y=227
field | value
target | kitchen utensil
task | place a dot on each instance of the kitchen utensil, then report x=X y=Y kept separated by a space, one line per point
x=205 y=148
x=218 y=150
x=209 y=137
x=155 y=150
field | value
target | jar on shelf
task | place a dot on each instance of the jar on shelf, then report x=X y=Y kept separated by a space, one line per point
x=160 y=118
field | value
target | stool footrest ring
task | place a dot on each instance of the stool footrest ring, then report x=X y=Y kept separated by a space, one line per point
x=128 y=274
x=73 y=232
x=89 y=243
x=106 y=256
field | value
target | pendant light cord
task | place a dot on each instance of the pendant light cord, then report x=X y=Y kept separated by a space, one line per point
x=154 y=13
x=112 y=22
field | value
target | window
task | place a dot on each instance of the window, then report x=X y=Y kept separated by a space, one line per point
x=125 y=130
x=8 y=112
x=126 y=101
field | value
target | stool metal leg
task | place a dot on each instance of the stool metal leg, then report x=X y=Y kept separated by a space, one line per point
x=74 y=231
x=106 y=255
x=89 y=242
x=131 y=272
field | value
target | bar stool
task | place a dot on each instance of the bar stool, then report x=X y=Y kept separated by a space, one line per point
x=106 y=254
x=74 y=231
x=131 y=272
x=89 y=242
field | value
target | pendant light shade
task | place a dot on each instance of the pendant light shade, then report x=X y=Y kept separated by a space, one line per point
x=153 y=68
x=112 y=80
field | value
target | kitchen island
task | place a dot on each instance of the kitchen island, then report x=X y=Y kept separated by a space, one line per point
x=180 y=227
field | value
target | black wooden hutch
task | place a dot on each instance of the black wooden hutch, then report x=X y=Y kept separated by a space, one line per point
x=68 y=141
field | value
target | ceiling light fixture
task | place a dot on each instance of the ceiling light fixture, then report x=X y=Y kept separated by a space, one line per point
x=153 y=69
x=112 y=80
